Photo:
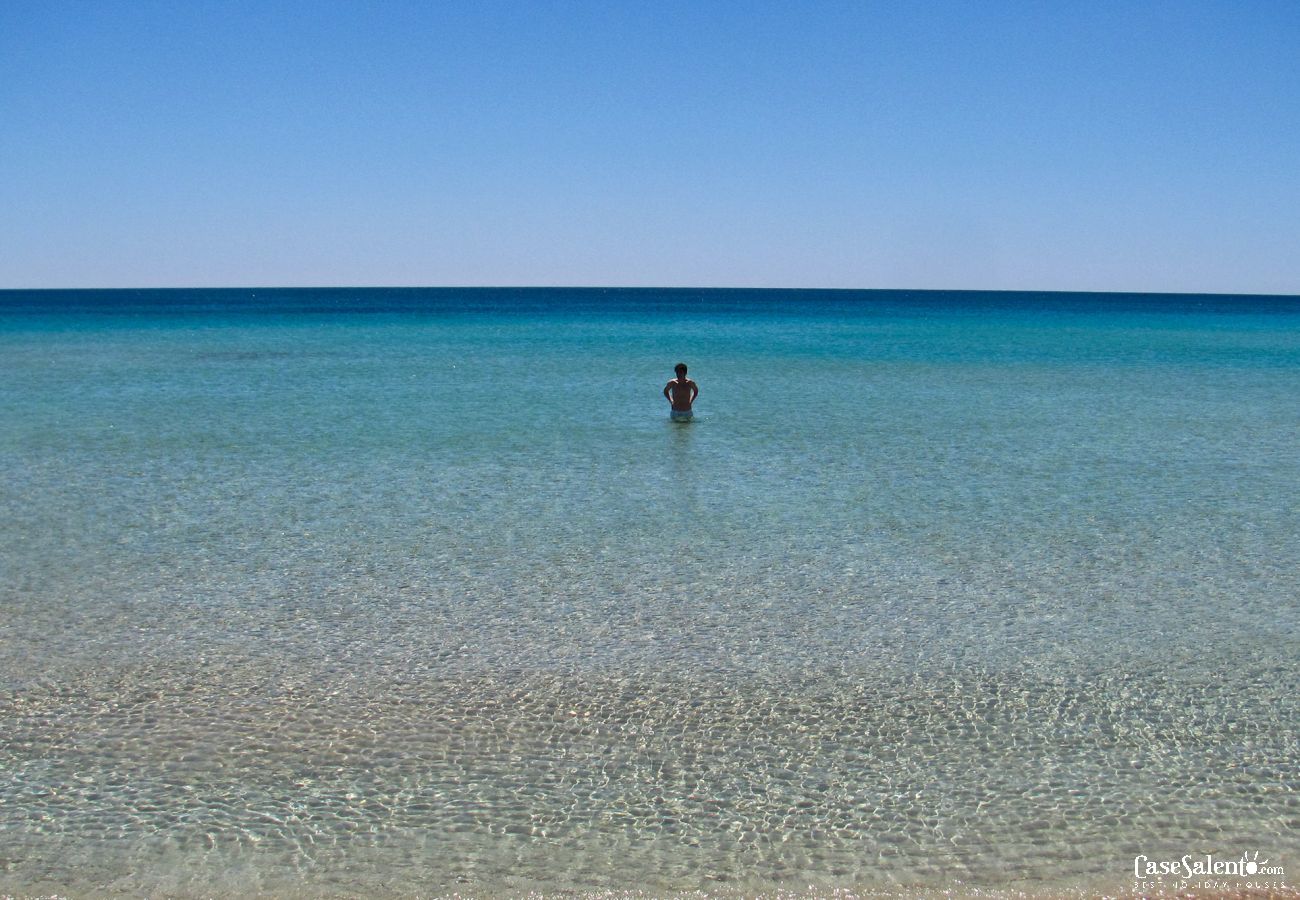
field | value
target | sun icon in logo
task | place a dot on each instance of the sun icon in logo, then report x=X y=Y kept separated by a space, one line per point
x=1253 y=864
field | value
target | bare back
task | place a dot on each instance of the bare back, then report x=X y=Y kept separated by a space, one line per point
x=681 y=393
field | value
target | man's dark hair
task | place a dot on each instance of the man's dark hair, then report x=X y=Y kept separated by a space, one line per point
x=680 y=368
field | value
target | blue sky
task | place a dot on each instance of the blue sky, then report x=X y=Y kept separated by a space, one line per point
x=1143 y=146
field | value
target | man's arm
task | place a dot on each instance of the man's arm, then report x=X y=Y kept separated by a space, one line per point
x=695 y=391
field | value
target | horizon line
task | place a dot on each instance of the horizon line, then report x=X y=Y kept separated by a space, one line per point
x=575 y=287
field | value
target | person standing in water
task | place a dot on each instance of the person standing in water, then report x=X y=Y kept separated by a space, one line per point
x=681 y=393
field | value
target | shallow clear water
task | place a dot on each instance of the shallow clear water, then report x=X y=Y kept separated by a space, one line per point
x=395 y=592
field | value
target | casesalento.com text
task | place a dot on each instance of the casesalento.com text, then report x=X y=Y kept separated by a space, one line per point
x=1191 y=866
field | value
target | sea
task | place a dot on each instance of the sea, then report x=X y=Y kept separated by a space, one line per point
x=406 y=592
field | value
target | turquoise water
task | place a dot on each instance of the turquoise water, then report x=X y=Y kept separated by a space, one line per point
x=397 y=592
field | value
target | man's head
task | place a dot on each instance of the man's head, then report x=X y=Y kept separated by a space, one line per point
x=680 y=369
